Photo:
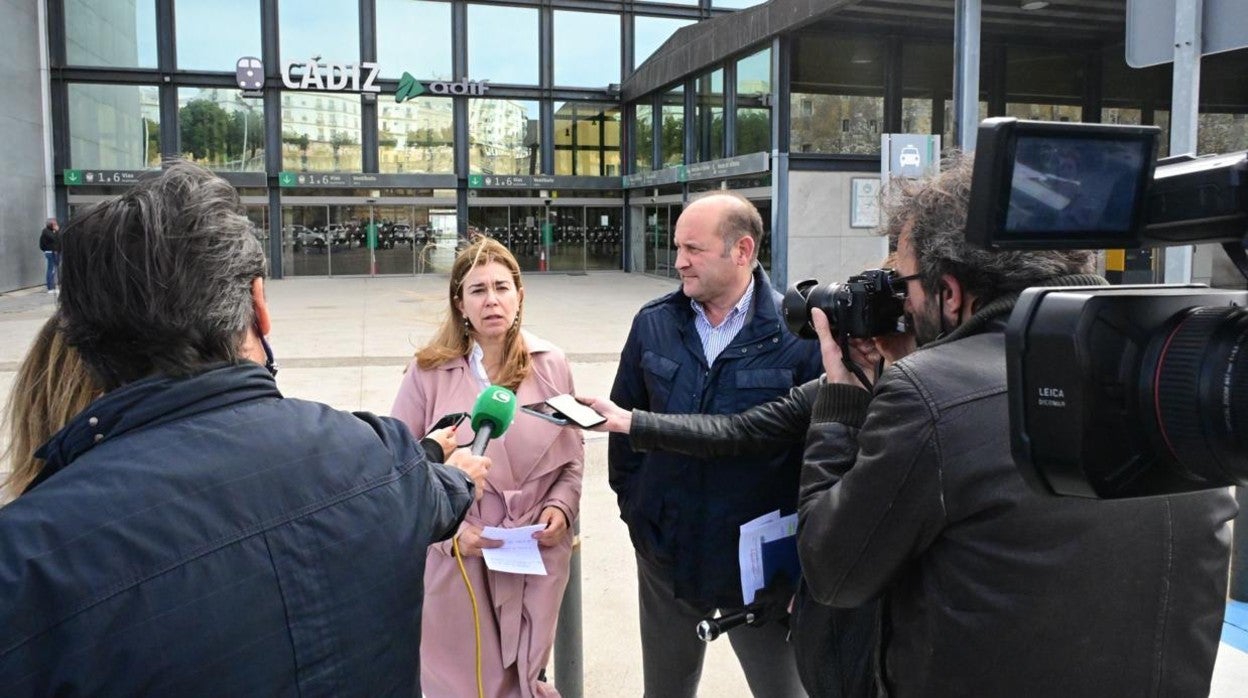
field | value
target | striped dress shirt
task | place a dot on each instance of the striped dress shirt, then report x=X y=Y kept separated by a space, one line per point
x=716 y=339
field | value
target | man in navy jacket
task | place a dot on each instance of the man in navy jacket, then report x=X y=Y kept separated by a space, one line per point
x=717 y=345
x=193 y=532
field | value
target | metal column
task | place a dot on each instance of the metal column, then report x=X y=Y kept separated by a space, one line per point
x=966 y=20
x=1184 y=112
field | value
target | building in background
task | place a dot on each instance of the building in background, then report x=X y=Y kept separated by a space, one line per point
x=572 y=130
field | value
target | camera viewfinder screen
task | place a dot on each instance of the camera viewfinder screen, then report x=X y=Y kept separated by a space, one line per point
x=1065 y=185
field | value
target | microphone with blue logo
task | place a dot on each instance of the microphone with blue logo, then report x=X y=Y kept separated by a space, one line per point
x=492 y=414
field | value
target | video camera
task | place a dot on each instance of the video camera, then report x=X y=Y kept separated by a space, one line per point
x=1118 y=391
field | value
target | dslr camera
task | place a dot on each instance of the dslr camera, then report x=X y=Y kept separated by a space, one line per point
x=868 y=305
x=1118 y=391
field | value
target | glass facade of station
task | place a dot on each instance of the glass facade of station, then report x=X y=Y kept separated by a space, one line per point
x=379 y=134
x=523 y=89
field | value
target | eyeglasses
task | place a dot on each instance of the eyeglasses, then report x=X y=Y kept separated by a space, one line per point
x=901 y=284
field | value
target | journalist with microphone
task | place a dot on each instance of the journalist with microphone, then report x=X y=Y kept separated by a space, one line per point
x=479 y=355
x=193 y=532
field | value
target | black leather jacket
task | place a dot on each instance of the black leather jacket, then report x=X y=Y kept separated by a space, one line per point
x=990 y=588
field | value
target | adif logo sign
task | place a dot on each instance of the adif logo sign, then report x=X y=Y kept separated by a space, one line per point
x=410 y=88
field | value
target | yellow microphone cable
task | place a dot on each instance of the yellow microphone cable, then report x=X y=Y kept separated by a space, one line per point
x=476 y=616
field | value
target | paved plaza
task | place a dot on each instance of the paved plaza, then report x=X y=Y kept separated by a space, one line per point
x=345 y=341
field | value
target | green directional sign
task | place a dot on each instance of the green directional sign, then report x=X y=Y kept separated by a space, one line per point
x=287 y=179
x=409 y=88
x=476 y=181
x=72 y=177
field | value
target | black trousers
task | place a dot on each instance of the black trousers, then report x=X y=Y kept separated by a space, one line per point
x=672 y=654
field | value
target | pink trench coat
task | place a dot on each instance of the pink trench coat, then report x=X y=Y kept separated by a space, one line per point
x=534 y=465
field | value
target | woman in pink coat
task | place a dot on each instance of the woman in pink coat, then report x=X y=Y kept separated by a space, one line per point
x=535 y=478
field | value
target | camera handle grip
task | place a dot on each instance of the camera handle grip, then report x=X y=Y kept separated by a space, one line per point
x=711 y=628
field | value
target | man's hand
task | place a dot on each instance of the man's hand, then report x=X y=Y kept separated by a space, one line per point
x=474 y=467
x=895 y=347
x=556 y=527
x=446 y=439
x=619 y=420
x=471 y=542
x=862 y=352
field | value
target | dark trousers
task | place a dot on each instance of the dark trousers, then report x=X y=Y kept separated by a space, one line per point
x=672 y=654
x=50 y=275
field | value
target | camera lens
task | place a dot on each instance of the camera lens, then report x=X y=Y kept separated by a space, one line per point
x=1195 y=383
x=798 y=301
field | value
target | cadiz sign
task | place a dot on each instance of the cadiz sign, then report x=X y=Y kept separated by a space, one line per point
x=331 y=77
x=312 y=74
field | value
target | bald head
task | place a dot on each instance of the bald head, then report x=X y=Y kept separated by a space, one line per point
x=737 y=218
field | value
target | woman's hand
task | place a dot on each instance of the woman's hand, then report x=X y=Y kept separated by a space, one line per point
x=619 y=420
x=556 y=527
x=446 y=439
x=471 y=542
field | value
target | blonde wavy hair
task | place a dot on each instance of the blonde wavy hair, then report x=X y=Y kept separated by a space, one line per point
x=52 y=386
x=454 y=338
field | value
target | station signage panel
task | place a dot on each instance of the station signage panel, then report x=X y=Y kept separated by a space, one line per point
x=492 y=181
x=724 y=168
x=75 y=178
x=363 y=180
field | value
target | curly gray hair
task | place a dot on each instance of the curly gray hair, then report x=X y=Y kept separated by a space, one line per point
x=158 y=280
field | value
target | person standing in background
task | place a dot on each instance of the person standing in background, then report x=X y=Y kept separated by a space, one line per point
x=50 y=245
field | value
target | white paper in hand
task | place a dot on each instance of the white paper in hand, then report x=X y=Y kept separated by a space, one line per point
x=519 y=553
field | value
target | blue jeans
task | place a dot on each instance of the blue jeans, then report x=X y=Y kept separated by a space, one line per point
x=50 y=278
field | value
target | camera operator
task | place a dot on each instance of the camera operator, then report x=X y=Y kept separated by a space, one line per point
x=910 y=492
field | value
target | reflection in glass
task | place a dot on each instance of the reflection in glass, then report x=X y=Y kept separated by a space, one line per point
x=397 y=51
x=206 y=42
x=320 y=132
x=643 y=137
x=114 y=127
x=220 y=129
x=926 y=81
x=735 y=4
x=110 y=34
x=1221 y=133
x=672 y=122
x=502 y=44
x=587 y=139
x=837 y=98
x=709 y=118
x=754 y=74
x=587 y=49
x=946 y=140
x=916 y=115
x=504 y=137
x=753 y=130
x=417 y=135
x=650 y=33
x=326 y=28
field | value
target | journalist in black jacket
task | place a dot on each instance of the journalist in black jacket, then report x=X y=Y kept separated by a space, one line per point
x=909 y=495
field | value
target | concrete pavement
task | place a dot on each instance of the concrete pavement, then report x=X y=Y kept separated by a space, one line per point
x=345 y=341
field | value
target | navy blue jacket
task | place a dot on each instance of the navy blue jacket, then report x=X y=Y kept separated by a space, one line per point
x=205 y=536
x=685 y=513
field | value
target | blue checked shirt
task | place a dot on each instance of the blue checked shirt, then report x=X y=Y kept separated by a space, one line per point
x=716 y=339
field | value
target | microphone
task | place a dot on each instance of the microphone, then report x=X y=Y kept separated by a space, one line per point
x=493 y=412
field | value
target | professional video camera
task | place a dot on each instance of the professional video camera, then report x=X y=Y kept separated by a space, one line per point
x=1118 y=391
